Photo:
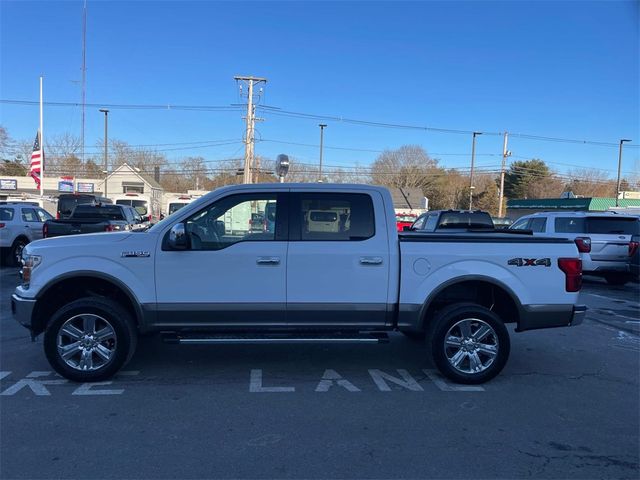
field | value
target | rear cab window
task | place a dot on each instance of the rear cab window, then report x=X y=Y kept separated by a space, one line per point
x=110 y=212
x=332 y=217
x=465 y=220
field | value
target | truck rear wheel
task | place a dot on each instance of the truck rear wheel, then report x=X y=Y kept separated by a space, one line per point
x=469 y=343
x=90 y=339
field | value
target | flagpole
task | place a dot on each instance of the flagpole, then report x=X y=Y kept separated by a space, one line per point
x=41 y=145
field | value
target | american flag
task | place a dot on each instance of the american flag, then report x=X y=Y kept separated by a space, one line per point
x=37 y=158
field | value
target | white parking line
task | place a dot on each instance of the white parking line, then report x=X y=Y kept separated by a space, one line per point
x=614 y=314
x=617 y=300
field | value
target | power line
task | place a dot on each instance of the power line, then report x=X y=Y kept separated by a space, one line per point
x=127 y=106
x=336 y=118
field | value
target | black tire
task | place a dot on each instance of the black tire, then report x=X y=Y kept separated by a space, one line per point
x=109 y=313
x=477 y=315
x=617 y=279
x=13 y=259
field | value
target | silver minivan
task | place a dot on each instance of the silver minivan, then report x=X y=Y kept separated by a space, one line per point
x=602 y=238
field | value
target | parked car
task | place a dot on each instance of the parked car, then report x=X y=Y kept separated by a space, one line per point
x=602 y=238
x=143 y=203
x=68 y=201
x=95 y=219
x=20 y=223
x=299 y=282
x=634 y=255
x=257 y=222
x=405 y=220
x=453 y=220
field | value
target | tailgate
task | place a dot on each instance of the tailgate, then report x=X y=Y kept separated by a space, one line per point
x=610 y=248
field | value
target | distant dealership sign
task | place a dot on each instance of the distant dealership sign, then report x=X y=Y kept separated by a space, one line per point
x=65 y=185
x=8 y=184
x=84 y=187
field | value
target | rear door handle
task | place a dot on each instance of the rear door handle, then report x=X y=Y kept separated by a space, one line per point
x=370 y=260
x=268 y=261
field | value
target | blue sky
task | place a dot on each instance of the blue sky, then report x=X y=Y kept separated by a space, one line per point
x=558 y=69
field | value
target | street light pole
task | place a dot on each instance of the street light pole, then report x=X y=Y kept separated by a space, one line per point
x=106 y=163
x=473 y=158
x=619 y=168
x=321 y=125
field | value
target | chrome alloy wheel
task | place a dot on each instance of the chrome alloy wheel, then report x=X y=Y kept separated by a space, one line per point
x=86 y=342
x=471 y=345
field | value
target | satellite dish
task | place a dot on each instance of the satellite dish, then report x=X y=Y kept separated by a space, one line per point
x=282 y=165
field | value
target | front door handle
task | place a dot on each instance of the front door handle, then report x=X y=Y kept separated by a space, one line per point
x=370 y=260
x=268 y=261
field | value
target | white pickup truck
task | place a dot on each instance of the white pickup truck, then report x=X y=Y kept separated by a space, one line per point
x=295 y=280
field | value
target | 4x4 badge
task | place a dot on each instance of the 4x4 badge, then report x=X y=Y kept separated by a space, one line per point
x=530 y=262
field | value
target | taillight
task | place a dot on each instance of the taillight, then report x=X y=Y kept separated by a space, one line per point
x=1 y=225
x=45 y=230
x=572 y=268
x=633 y=248
x=109 y=228
x=583 y=244
x=57 y=215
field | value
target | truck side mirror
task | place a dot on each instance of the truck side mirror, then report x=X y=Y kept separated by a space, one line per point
x=178 y=237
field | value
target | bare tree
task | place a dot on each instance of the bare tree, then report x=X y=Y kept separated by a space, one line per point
x=408 y=166
x=590 y=183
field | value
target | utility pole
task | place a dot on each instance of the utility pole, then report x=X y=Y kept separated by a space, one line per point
x=106 y=163
x=249 y=135
x=473 y=158
x=322 y=125
x=505 y=154
x=84 y=76
x=619 y=168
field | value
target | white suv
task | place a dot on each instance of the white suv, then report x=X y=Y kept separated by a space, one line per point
x=20 y=223
x=602 y=238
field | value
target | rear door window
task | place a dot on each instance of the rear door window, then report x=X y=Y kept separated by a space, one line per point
x=29 y=215
x=333 y=217
x=570 y=225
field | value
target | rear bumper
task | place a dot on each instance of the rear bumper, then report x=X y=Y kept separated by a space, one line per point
x=604 y=266
x=534 y=317
x=22 y=309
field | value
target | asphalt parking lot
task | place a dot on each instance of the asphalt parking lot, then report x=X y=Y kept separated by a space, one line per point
x=566 y=406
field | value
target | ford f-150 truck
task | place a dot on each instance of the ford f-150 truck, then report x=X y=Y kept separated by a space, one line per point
x=353 y=279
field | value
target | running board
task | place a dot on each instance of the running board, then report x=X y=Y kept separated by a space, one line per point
x=194 y=338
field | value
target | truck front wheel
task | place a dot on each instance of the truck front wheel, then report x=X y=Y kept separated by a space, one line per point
x=89 y=339
x=469 y=343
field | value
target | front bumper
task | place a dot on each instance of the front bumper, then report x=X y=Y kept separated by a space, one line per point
x=22 y=309
x=534 y=317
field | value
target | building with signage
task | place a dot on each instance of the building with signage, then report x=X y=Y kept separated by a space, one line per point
x=519 y=207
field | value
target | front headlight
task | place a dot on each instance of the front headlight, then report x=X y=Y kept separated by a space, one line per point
x=29 y=263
